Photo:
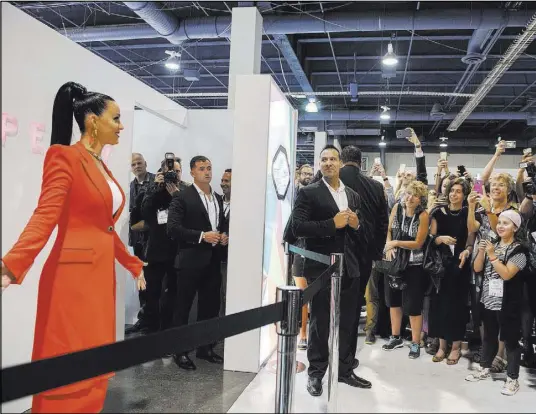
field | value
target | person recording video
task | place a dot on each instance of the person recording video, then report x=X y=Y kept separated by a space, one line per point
x=161 y=249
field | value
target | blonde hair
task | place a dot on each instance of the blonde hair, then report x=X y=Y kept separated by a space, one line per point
x=505 y=178
x=417 y=188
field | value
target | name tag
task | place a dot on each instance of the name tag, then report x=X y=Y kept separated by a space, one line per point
x=162 y=216
x=496 y=287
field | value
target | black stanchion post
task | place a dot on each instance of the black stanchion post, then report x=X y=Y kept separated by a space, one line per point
x=334 y=321
x=287 y=343
x=290 y=257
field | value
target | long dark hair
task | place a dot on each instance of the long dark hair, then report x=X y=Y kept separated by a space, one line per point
x=74 y=99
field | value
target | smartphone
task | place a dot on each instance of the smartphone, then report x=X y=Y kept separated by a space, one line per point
x=443 y=155
x=403 y=133
x=510 y=144
x=402 y=167
x=461 y=170
x=527 y=151
x=378 y=161
x=478 y=187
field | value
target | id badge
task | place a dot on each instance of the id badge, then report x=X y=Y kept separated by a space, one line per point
x=496 y=288
x=162 y=216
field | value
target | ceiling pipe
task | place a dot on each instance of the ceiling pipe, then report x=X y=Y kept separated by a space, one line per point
x=334 y=22
x=372 y=115
x=165 y=23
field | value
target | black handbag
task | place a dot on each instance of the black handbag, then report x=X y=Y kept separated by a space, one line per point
x=433 y=263
x=395 y=268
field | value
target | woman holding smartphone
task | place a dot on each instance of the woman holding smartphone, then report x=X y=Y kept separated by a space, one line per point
x=502 y=262
x=448 y=313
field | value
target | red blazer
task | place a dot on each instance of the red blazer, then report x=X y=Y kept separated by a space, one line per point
x=76 y=300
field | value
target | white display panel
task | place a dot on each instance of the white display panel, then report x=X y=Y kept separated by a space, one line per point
x=279 y=195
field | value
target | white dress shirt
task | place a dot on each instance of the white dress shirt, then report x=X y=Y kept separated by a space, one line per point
x=339 y=195
x=211 y=206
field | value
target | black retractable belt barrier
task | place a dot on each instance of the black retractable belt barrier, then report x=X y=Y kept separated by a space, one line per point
x=46 y=374
x=318 y=284
x=317 y=257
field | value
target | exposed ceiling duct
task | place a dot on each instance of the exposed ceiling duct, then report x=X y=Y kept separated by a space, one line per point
x=516 y=48
x=164 y=23
x=369 y=115
x=219 y=26
x=304 y=95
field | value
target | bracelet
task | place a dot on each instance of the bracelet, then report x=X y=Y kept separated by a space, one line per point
x=494 y=260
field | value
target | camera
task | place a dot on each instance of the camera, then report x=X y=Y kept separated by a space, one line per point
x=529 y=187
x=170 y=176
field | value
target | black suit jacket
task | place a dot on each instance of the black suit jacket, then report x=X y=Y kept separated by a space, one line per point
x=373 y=207
x=312 y=220
x=187 y=219
x=160 y=247
x=137 y=191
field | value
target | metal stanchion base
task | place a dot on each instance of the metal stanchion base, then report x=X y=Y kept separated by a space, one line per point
x=271 y=366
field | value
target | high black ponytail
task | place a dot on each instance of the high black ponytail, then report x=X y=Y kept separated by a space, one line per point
x=71 y=100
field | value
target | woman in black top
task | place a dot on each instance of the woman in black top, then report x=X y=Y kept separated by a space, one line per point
x=448 y=308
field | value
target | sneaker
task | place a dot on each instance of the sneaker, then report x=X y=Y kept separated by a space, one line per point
x=302 y=345
x=414 y=351
x=511 y=386
x=370 y=338
x=498 y=365
x=482 y=374
x=393 y=343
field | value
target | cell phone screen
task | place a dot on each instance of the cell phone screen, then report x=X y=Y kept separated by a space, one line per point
x=478 y=187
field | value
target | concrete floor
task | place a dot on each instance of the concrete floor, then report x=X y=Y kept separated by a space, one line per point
x=399 y=384
x=160 y=386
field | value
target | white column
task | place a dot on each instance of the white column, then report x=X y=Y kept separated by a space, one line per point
x=260 y=207
x=321 y=139
x=337 y=143
x=246 y=42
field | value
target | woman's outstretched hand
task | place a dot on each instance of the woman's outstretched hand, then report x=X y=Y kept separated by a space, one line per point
x=141 y=284
x=7 y=277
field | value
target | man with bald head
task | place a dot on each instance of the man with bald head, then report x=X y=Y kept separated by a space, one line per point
x=137 y=234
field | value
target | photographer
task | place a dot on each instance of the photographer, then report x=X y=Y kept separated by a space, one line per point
x=161 y=249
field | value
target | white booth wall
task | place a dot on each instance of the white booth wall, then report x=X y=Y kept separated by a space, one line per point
x=206 y=132
x=31 y=76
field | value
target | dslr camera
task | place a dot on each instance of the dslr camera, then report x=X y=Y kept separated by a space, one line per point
x=170 y=176
x=529 y=187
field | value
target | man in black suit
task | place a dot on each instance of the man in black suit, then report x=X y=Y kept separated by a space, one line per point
x=137 y=231
x=196 y=220
x=161 y=249
x=325 y=215
x=375 y=211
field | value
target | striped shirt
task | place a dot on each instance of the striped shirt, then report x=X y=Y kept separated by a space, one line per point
x=491 y=276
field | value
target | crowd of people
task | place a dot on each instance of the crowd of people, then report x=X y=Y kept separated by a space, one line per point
x=180 y=231
x=456 y=262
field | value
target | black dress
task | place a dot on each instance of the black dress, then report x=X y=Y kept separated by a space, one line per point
x=449 y=311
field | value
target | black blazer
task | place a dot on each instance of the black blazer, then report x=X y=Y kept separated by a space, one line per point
x=136 y=197
x=187 y=219
x=312 y=219
x=160 y=247
x=373 y=207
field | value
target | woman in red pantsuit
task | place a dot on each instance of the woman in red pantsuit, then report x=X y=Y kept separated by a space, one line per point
x=76 y=300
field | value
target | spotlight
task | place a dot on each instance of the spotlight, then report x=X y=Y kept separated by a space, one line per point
x=390 y=58
x=385 y=113
x=311 y=106
x=173 y=62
